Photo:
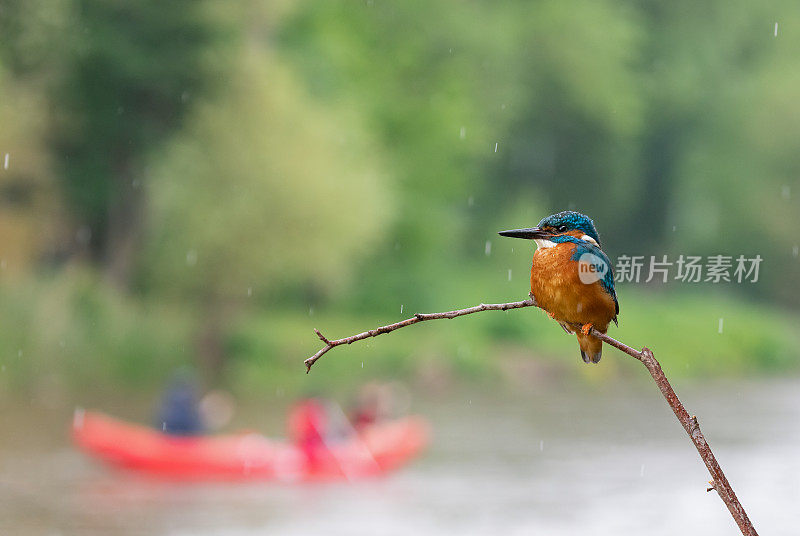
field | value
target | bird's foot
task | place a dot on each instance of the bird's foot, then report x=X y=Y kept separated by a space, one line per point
x=586 y=328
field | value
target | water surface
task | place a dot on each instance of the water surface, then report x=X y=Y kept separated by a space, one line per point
x=579 y=460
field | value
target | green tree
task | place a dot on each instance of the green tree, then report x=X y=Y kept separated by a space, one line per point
x=736 y=187
x=435 y=103
x=133 y=70
x=32 y=218
x=265 y=189
x=571 y=142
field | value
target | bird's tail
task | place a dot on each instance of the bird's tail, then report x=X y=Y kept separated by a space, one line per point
x=591 y=348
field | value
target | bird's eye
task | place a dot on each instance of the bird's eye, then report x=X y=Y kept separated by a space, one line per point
x=561 y=228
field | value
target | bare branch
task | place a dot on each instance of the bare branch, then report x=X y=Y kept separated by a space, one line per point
x=719 y=482
x=418 y=317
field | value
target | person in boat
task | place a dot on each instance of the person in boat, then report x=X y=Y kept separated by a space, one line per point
x=308 y=428
x=372 y=405
x=179 y=413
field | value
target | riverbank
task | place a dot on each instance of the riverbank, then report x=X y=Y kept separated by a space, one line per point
x=72 y=333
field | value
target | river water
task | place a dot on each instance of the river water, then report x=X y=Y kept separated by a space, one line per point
x=608 y=460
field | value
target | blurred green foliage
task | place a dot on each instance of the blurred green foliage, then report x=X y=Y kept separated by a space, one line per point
x=228 y=220
x=130 y=71
x=232 y=168
x=71 y=332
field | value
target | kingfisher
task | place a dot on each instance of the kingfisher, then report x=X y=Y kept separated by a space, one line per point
x=571 y=278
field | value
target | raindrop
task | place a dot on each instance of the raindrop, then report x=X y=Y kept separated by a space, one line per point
x=470 y=401
x=19 y=352
x=164 y=426
x=311 y=310
x=674 y=227
x=509 y=274
x=541 y=445
x=362 y=364
x=401 y=308
x=191 y=257
x=776 y=30
x=786 y=191
x=495 y=146
x=463 y=133
x=641 y=471
x=719 y=329
x=249 y=291
x=487 y=249
x=795 y=251
x=470 y=201
x=5 y=162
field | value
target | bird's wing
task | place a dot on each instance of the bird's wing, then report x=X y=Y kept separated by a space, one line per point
x=608 y=279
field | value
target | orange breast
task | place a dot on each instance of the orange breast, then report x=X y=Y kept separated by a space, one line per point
x=558 y=289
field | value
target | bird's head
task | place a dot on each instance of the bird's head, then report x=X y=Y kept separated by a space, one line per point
x=567 y=223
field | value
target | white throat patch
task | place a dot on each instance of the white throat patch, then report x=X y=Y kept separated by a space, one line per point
x=541 y=243
x=587 y=238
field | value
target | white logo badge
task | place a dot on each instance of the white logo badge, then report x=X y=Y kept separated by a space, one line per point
x=591 y=268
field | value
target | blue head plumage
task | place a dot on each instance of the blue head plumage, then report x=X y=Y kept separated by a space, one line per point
x=569 y=220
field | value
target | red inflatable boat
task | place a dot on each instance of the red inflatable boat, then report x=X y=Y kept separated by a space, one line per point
x=376 y=450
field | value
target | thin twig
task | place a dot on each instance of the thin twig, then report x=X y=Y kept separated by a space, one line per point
x=413 y=320
x=718 y=483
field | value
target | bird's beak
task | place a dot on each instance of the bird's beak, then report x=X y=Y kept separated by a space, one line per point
x=531 y=233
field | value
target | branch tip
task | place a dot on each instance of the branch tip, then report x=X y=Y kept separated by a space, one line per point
x=322 y=337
